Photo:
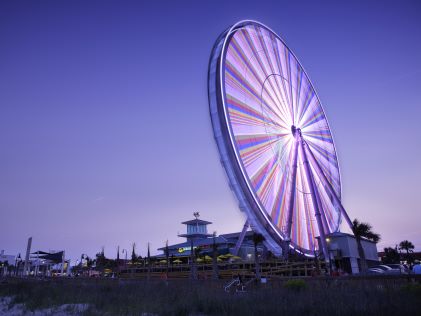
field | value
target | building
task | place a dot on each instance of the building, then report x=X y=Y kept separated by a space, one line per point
x=10 y=259
x=343 y=252
x=198 y=237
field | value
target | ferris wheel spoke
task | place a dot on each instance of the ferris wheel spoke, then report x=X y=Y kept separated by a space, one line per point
x=274 y=72
x=252 y=92
x=284 y=90
x=291 y=104
x=299 y=78
x=316 y=115
x=306 y=103
x=251 y=153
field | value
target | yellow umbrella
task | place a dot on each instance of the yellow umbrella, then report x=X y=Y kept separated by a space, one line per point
x=199 y=260
x=177 y=261
x=236 y=258
x=228 y=255
x=208 y=258
x=163 y=261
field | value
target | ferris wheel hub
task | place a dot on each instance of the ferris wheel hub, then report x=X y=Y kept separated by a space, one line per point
x=295 y=130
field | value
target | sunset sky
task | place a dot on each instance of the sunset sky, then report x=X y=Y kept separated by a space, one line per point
x=105 y=131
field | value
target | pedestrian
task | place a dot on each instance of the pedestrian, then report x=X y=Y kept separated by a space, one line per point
x=416 y=269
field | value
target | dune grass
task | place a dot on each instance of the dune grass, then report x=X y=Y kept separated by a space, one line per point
x=182 y=297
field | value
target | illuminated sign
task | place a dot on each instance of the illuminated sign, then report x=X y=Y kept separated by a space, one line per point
x=182 y=249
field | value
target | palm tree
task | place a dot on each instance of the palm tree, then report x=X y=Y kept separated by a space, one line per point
x=257 y=239
x=408 y=246
x=391 y=255
x=363 y=231
x=134 y=256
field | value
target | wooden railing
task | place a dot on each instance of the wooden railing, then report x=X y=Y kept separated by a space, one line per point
x=225 y=270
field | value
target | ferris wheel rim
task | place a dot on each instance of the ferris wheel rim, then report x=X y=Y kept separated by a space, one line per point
x=262 y=226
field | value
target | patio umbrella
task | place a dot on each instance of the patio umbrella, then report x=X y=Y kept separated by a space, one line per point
x=208 y=258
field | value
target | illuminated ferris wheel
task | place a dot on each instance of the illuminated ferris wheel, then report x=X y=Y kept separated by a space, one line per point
x=274 y=139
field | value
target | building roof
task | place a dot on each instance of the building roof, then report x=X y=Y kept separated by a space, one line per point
x=198 y=242
x=192 y=235
x=237 y=235
x=340 y=234
x=196 y=221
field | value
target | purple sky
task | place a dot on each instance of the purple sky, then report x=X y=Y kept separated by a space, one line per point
x=104 y=127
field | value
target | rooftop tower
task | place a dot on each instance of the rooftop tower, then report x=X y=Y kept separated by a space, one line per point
x=196 y=228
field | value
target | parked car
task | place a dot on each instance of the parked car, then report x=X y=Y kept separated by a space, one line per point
x=375 y=271
x=398 y=268
x=389 y=269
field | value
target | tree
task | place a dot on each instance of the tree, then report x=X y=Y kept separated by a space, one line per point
x=391 y=255
x=134 y=256
x=363 y=231
x=100 y=259
x=118 y=256
x=408 y=247
x=257 y=239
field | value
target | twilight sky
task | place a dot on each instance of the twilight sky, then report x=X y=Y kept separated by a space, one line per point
x=104 y=128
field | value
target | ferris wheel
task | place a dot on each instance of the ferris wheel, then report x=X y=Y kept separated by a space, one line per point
x=274 y=139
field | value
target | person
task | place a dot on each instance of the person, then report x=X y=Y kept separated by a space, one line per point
x=416 y=269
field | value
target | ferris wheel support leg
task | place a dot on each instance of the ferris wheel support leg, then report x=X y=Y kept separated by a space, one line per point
x=292 y=199
x=328 y=186
x=313 y=193
x=322 y=211
x=241 y=238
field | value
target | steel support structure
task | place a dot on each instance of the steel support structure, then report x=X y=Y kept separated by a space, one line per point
x=314 y=198
x=328 y=185
x=293 y=185
x=292 y=196
x=241 y=238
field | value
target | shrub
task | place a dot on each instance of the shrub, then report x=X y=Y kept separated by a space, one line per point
x=295 y=284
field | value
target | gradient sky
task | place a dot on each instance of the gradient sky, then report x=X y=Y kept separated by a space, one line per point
x=104 y=127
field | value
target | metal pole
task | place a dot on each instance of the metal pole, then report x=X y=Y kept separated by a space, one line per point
x=317 y=214
x=328 y=186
